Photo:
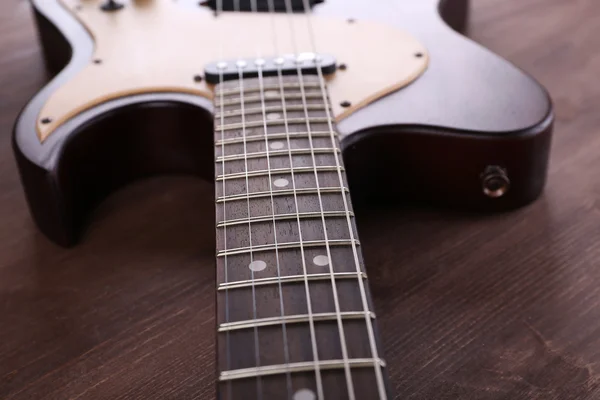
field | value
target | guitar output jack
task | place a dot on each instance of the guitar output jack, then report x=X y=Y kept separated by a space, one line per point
x=495 y=181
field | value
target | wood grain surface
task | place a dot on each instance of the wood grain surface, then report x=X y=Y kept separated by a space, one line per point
x=471 y=306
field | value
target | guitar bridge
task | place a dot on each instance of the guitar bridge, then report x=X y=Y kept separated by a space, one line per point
x=304 y=63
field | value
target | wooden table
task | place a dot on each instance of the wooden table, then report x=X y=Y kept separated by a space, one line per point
x=471 y=307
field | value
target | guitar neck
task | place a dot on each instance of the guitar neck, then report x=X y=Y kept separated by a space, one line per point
x=294 y=309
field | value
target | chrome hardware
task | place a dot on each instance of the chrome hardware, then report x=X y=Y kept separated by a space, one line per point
x=305 y=63
x=495 y=181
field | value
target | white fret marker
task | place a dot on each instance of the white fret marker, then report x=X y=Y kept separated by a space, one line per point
x=276 y=145
x=273 y=116
x=304 y=394
x=257 y=265
x=321 y=261
x=281 y=183
x=271 y=94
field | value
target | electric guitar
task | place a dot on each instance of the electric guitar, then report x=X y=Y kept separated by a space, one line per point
x=295 y=109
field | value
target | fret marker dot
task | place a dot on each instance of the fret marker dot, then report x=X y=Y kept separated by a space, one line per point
x=281 y=183
x=273 y=116
x=304 y=394
x=321 y=261
x=276 y=145
x=257 y=265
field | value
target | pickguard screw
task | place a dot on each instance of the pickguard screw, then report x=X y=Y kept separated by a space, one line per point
x=345 y=104
x=351 y=20
x=46 y=120
x=198 y=78
x=97 y=61
x=419 y=55
x=343 y=67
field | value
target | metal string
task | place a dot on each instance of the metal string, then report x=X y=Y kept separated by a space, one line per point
x=241 y=67
x=348 y=373
x=318 y=379
x=279 y=283
x=254 y=307
x=361 y=284
x=227 y=334
x=242 y=102
x=370 y=330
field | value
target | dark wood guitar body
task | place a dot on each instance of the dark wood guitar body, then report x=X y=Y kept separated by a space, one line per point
x=431 y=141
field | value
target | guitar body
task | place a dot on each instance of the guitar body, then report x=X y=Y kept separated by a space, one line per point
x=472 y=131
x=289 y=114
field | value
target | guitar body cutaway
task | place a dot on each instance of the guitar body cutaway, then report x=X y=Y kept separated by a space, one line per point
x=452 y=127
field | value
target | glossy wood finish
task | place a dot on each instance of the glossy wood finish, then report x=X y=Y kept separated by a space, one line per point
x=479 y=307
x=448 y=136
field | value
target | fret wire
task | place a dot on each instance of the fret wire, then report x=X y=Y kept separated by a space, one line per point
x=318 y=189
x=299 y=367
x=258 y=195
x=256 y=99
x=296 y=152
x=254 y=307
x=280 y=217
x=288 y=279
x=274 y=171
x=255 y=111
x=265 y=124
x=370 y=330
x=257 y=138
x=256 y=89
x=311 y=323
x=291 y=319
x=249 y=195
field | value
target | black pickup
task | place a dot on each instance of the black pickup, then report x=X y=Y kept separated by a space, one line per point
x=261 y=5
x=308 y=63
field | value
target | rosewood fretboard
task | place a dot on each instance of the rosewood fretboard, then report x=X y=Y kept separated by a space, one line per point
x=295 y=316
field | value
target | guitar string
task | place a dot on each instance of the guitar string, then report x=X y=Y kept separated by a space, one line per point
x=254 y=306
x=241 y=66
x=370 y=329
x=273 y=212
x=242 y=103
x=225 y=264
x=344 y=349
x=318 y=190
x=318 y=379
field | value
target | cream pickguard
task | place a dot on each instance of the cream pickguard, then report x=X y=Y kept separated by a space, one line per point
x=160 y=46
